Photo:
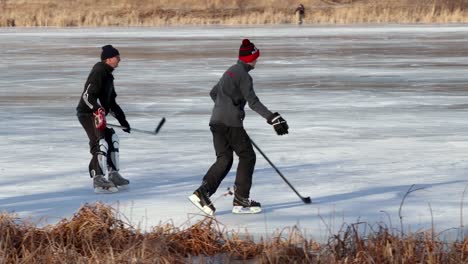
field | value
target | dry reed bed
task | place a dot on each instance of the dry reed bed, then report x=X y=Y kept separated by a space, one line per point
x=184 y=12
x=96 y=234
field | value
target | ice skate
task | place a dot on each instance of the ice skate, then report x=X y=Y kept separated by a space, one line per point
x=245 y=206
x=201 y=199
x=118 y=180
x=101 y=185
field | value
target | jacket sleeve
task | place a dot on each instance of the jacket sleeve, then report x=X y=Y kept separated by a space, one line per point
x=214 y=92
x=115 y=109
x=93 y=88
x=246 y=87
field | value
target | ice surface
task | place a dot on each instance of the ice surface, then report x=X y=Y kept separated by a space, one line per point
x=372 y=110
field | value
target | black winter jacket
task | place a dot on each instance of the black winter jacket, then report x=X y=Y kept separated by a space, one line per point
x=99 y=91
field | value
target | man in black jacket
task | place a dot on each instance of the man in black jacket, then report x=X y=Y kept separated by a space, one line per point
x=230 y=95
x=300 y=14
x=97 y=100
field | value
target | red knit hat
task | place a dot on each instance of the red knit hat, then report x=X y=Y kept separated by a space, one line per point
x=248 y=52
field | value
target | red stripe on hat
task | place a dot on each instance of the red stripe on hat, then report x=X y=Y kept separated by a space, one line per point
x=250 y=58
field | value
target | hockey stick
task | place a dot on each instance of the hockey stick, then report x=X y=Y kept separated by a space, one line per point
x=161 y=123
x=304 y=199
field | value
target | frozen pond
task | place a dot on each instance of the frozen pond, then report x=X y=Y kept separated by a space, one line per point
x=372 y=111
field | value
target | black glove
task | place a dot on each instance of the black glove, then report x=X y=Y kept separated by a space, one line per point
x=125 y=124
x=279 y=124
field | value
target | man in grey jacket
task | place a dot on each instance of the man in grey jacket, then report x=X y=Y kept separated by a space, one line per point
x=230 y=95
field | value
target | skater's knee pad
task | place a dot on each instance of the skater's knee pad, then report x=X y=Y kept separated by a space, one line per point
x=114 y=152
x=103 y=147
x=115 y=142
x=102 y=155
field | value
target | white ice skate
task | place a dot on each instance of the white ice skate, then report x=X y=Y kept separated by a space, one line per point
x=202 y=201
x=245 y=206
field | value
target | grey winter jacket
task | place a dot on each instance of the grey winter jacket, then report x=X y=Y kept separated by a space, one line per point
x=230 y=95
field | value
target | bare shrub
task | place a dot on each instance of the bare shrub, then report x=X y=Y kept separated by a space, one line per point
x=97 y=234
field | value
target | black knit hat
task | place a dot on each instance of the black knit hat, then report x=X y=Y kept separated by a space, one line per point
x=248 y=52
x=109 y=52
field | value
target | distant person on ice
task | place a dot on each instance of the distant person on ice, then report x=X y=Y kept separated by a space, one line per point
x=300 y=14
x=230 y=95
x=97 y=100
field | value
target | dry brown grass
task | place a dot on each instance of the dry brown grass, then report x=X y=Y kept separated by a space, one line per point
x=188 y=12
x=383 y=246
x=95 y=234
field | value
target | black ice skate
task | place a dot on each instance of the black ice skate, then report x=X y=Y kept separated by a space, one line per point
x=201 y=199
x=245 y=206
x=116 y=178
x=101 y=185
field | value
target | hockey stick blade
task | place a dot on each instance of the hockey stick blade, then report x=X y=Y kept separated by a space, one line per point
x=161 y=123
x=306 y=200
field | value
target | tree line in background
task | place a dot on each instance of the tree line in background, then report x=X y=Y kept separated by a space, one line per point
x=188 y=12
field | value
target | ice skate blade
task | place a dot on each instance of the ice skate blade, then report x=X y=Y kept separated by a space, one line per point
x=196 y=201
x=101 y=190
x=246 y=210
x=122 y=187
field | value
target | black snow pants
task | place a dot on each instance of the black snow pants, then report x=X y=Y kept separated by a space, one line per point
x=227 y=140
x=94 y=136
